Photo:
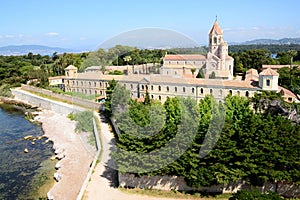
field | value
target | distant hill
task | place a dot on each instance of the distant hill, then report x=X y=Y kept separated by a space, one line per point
x=35 y=49
x=271 y=41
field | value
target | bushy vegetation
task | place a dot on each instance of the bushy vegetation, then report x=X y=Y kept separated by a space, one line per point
x=255 y=147
x=254 y=195
x=84 y=121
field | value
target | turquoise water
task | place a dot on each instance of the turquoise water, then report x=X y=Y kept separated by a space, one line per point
x=17 y=168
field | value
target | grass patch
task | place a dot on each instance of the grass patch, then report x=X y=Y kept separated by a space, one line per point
x=174 y=194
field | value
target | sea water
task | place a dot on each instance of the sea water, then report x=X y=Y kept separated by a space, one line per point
x=22 y=174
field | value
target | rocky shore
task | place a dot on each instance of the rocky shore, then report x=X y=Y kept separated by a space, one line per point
x=72 y=155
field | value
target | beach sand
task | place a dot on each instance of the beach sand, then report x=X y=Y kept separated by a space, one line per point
x=70 y=145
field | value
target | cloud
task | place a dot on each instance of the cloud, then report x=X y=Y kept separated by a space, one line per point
x=9 y=36
x=51 y=34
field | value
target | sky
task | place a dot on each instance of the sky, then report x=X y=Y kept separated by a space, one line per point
x=88 y=24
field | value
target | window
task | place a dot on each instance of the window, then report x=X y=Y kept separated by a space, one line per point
x=175 y=72
x=268 y=82
x=183 y=89
x=210 y=91
x=146 y=87
x=201 y=90
x=290 y=99
x=100 y=84
x=152 y=97
x=90 y=84
x=159 y=97
x=193 y=90
x=95 y=84
x=238 y=93
x=106 y=85
x=142 y=87
x=175 y=89
x=221 y=91
x=247 y=94
x=159 y=88
x=230 y=92
x=151 y=87
x=168 y=89
x=131 y=86
x=215 y=40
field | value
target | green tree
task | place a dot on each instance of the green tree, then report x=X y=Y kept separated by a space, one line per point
x=200 y=74
x=193 y=70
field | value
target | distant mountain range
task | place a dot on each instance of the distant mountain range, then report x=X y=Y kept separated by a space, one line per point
x=46 y=50
x=35 y=49
x=271 y=41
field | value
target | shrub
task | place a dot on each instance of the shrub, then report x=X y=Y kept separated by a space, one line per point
x=254 y=195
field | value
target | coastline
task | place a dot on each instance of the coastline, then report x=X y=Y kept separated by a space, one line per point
x=71 y=152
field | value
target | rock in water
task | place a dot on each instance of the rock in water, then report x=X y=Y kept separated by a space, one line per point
x=29 y=137
x=26 y=151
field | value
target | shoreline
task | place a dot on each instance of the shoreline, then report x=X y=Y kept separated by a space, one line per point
x=72 y=153
x=73 y=157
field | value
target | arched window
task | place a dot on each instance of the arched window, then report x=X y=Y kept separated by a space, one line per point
x=142 y=87
x=238 y=93
x=152 y=96
x=247 y=94
x=183 y=89
x=146 y=87
x=131 y=86
x=210 y=91
x=201 y=91
x=230 y=92
x=159 y=97
x=221 y=91
x=159 y=88
x=95 y=84
x=100 y=84
x=175 y=89
x=268 y=82
x=168 y=89
x=151 y=87
x=193 y=90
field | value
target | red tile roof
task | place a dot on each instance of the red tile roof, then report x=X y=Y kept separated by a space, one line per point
x=286 y=92
x=269 y=72
x=185 y=57
x=216 y=28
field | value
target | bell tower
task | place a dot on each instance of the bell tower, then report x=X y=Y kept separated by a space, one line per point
x=216 y=39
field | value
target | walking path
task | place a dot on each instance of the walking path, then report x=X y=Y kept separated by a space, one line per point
x=101 y=185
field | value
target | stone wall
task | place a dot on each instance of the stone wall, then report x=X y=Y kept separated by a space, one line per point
x=77 y=101
x=178 y=183
x=48 y=104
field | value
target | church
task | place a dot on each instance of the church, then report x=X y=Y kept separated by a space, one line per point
x=178 y=77
x=216 y=64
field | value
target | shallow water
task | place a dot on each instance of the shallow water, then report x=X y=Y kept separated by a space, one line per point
x=20 y=172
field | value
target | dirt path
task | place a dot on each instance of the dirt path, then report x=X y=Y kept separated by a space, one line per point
x=101 y=185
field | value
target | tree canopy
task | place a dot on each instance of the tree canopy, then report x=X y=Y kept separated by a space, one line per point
x=255 y=147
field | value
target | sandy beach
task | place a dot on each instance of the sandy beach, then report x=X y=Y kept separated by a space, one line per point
x=76 y=154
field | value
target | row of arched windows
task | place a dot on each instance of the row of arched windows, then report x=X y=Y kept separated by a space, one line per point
x=211 y=91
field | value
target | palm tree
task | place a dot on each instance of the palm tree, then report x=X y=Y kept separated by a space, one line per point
x=193 y=70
